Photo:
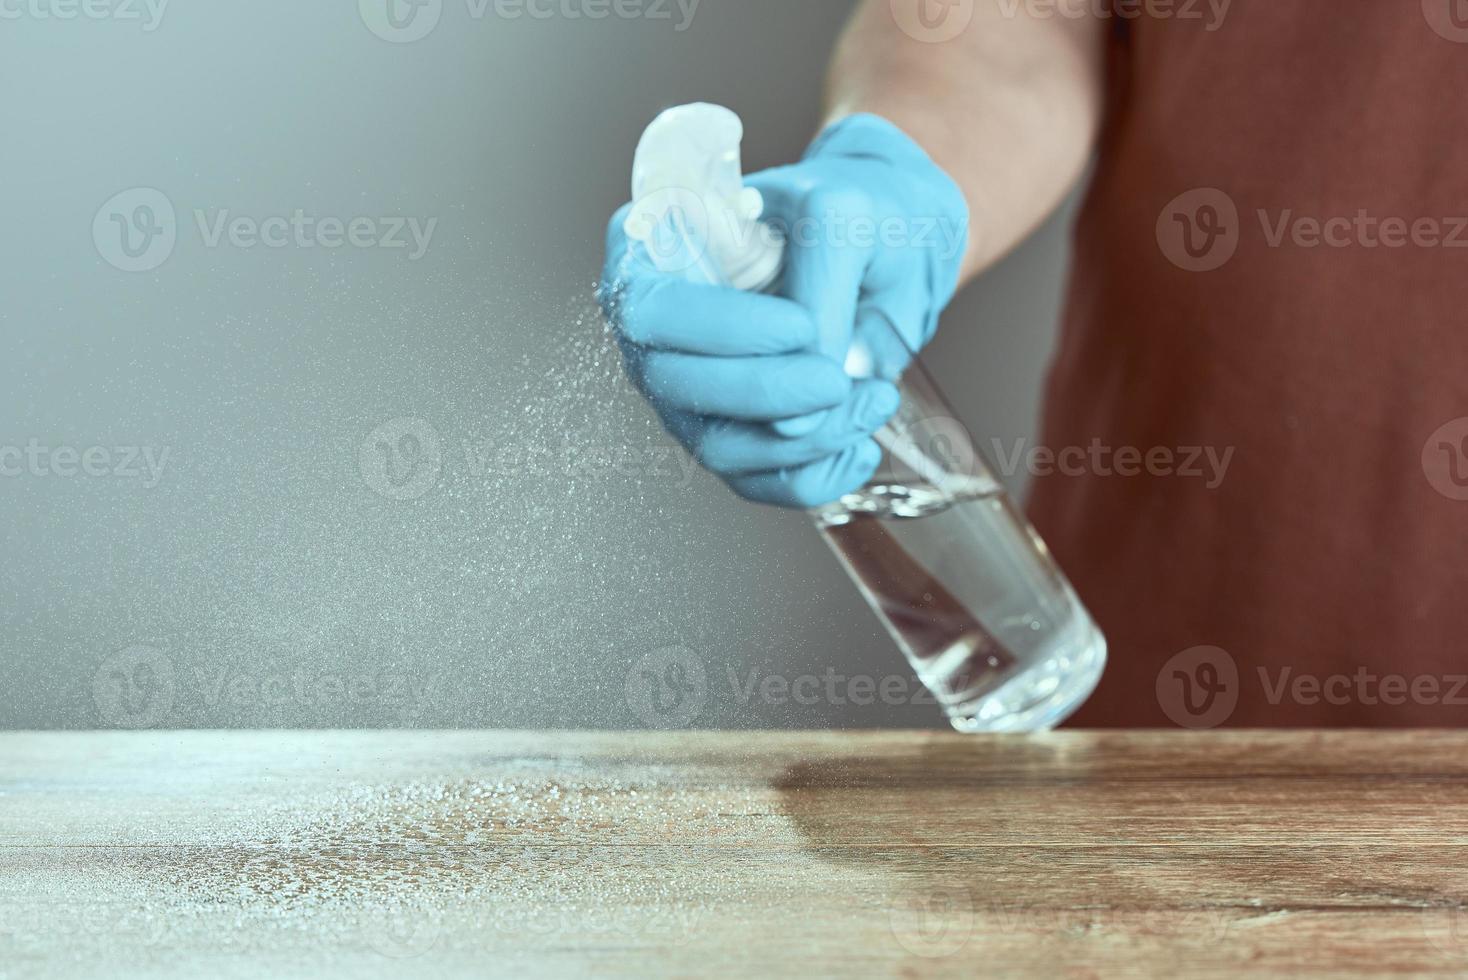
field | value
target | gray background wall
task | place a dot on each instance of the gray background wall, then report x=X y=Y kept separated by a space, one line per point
x=271 y=572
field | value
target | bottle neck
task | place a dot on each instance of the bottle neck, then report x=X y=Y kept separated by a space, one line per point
x=756 y=266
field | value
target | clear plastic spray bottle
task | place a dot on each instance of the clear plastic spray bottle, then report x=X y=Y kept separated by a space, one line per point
x=958 y=577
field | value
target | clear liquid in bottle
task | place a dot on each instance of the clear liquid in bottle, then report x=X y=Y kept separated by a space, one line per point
x=969 y=594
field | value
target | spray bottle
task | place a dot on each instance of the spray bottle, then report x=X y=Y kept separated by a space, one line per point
x=960 y=580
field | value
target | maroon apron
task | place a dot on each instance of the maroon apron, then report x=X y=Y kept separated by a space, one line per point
x=1263 y=370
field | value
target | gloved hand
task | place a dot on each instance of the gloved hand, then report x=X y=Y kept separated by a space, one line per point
x=875 y=233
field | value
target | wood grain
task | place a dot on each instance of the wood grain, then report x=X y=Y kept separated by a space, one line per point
x=695 y=854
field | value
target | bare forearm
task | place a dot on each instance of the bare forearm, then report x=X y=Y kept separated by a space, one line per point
x=1009 y=107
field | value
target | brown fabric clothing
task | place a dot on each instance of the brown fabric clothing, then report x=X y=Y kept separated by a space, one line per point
x=1330 y=357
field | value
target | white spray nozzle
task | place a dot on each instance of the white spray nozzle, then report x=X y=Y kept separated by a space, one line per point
x=690 y=208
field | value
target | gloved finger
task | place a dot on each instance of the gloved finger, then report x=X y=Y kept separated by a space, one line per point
x=619 y=265
x=815 y=483
x=801 y=425
x=734 y=448
x=824 y=263
x=823 y=267
x=657 y=310
x=755 y=389
x=879 y=347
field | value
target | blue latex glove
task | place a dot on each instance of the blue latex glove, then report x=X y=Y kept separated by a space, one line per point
x=875 y=234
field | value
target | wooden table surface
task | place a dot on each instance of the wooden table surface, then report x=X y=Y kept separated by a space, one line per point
x=694 y=854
